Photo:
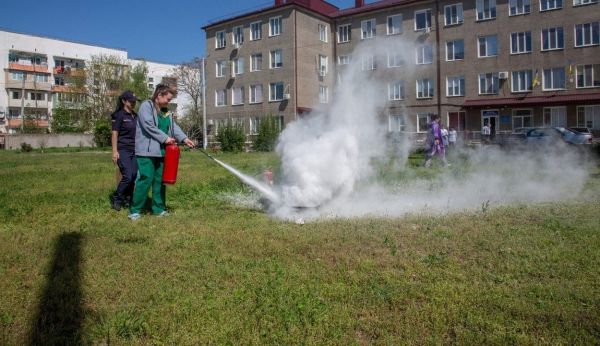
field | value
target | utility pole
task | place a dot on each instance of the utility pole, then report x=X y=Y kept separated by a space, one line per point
x=204 y=132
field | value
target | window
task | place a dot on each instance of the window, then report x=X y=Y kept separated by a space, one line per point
x=237 y=96
x=40 y=77
x=276 y=91
x=322 y=33
x=488 y=46
x=36 y=96
x=587 y=34
x=323 y=64
x=425 y=88
x=396 y=90
x=422 y=121
x=519 y=7
x=588 y=116
x=395 y=59
x=588 y=76
x=369 y=63
x=424 y=54
x=583 y=2
x=256 y=62
x=546 y=5
x=486 y=9
x=488 y=83
x=522 y=118
x=344 y=59
x=422 y=19
x=275 y=26
x=221 y=98
x=520 y=42
x=554 y=78
x=14 y=113
x=455 y=50
x=15 y=95
x=344 y=33
x=522 y=81
x=394 y=25
x=276 y=59
x=453 y=14
x=323 y=94
x=18 y=76
x=238 y=65
x=255 y=31
x=254 y=124
x=221 y=66
x=368 y=29
x=256 y=94
x=553 y=38
x=396 y=123
x=220 y=39
x=59 y=81
x=555 y=116
x=455 y=86
x=238 y=35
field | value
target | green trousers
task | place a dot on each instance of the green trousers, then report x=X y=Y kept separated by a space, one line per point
x=151 y=171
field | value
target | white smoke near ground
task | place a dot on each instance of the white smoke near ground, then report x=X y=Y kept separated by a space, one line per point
x=328 y=160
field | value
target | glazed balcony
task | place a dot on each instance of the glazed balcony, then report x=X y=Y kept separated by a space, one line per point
x=43 y=67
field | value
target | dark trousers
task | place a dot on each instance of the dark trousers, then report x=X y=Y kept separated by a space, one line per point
x=128 y=166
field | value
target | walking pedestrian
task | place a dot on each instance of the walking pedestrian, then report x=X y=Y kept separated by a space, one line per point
x=123 y=148
x=434 y=142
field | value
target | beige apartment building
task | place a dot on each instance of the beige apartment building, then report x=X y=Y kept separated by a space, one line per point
x=510 y=63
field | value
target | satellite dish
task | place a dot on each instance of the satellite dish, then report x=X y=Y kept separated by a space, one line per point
x=2 y=112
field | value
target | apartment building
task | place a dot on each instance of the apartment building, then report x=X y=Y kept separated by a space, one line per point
x=35 y=70
x=510 y=63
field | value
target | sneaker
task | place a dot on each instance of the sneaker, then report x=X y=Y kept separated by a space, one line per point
x=163 y=213
x=134 y=216
x=116 y=206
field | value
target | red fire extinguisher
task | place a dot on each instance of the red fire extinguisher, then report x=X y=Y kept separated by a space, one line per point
x=171 y=164
x=268 y=175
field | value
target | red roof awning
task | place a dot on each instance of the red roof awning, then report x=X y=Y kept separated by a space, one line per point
x=534 y=101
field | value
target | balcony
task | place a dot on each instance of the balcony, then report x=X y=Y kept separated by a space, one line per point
x=16 y=103
x=69 y=70
x=43 y=67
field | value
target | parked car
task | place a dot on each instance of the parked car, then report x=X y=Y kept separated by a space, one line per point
x=557 y=134
x=581 y=129
x=515 y=138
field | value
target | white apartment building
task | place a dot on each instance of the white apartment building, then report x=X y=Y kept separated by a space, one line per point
x=33 y=74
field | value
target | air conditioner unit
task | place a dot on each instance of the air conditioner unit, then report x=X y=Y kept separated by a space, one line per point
x=322 y=73
x=503 y=75
x=286 y=96
x=427 y=30
x=236 y=46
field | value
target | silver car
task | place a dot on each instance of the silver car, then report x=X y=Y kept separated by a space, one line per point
x=557 y=134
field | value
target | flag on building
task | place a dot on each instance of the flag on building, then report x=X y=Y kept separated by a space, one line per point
x=535 y=80
x=570 y=69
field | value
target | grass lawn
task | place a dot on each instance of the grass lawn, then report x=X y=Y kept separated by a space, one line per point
x=221 y=272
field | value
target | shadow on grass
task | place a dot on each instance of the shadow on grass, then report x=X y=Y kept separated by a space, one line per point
x=59 y=315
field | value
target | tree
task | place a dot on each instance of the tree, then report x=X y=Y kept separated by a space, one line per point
x=268 y=132
x=31 y=122
x=67 y=119
x=232 y=137
x=138 y=82
x=190 y=84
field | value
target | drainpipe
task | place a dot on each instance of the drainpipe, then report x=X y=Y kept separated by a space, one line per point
x=438 y=69
x=295 y=63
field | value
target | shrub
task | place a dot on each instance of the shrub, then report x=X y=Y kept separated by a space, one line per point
x=268 y=132
x=102 y=133
x=25 y=147
x=232 y=137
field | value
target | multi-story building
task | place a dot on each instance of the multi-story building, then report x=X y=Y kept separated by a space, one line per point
x=35 y=70
x=510 y=63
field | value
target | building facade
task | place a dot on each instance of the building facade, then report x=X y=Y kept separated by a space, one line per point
x=33 y=80
x=510 y=63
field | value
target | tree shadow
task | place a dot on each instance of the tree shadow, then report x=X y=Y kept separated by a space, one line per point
x=59 y=316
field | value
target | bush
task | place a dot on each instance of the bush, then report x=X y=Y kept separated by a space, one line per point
x=232 y=137
x=268 y=132
x=102 y=133
x=26 y=147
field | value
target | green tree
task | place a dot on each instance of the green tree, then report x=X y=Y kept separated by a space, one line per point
x=66 y=119
x=31 y=123
x=102 y=132
x=232 y=137
x=268 y=128
x=189 y=83
x=138 y=82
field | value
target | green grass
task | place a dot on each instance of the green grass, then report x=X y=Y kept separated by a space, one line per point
x=217 y=272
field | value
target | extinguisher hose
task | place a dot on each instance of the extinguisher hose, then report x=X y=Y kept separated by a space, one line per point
x=204 y=152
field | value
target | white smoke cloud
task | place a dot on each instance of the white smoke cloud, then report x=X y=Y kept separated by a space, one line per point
x=327 y=160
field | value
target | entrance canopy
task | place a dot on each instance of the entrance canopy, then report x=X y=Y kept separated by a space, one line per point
x=551 y=100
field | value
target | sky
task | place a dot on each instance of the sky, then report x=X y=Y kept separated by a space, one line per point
x=161 y=31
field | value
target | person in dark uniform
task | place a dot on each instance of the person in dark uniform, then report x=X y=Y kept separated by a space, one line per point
x=124 y=121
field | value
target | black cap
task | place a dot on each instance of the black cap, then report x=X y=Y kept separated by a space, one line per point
x=129 y=95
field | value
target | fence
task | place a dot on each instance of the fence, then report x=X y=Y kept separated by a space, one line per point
x=9 y=142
